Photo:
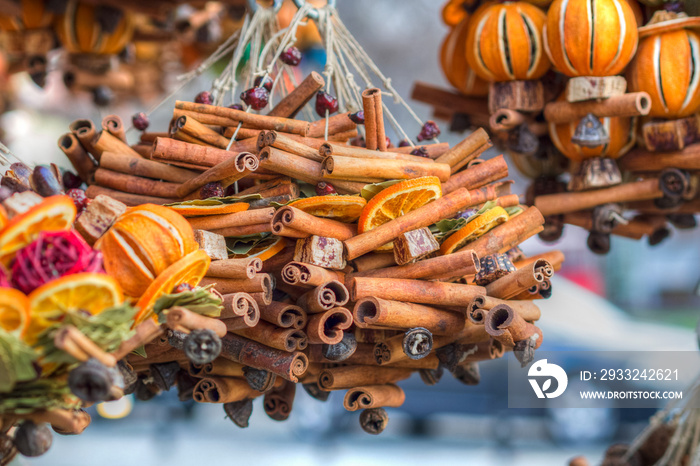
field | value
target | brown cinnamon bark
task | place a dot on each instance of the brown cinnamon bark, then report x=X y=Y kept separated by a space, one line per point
x=524 y=278
x=146 y=332
x=374 y=396
x=414 y=291
x=469 y=149
x=293 y=102
x=63 y=421
x=290 y=366
x=477 y=175
x=465 y=260
x=86 y=133
x=639 y=160
x=508 y=234
x=553 y=204
x=125 y=163
x=625 y=105
x=218 y=367
x=135 y=184
x=235 y=268
x=249 y=119
x=328 y=327
x=433 y=151
x=78 y=157
x=261 y=282
x=324 y=297
x=290 y=145
x=189 y=125
x=144 y=150
x=506 y=326
x=178 y=152
x=298 y=273
x=283 y=315
x=107 y=142
x=375 y=138
x=74 y=342
x=374 y=261
x=341 y=167
x=223 y=390
x=285 y=339
x=482 y=351
x=556 y=258
x=480 y=305
x=240 y=305
x=292 y=218
x=227 y=172
x=372 y=312
x=328 y=148
x=338 y=378
x=506 y=119
x=114 y=125
x=337 y=124
x=184 y=320
x=243 y=230
x=236 y=219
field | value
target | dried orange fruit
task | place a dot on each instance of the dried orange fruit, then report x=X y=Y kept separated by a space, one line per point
x=89 y=292
x=474 y=229
x=142 y=243
x=190 y=269
x=14 y=310
x=54 y=213
x=265 y=252
x=194 y=210
x=3 y=217
x=341 y=208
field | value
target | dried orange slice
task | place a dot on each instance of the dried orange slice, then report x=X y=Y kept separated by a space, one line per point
x=194 y=210
x=3 y=217
x=265 y=252
x=341 y=208
x=190 y=269
x=14 y=310
x=90 y=292
x=474 y=229
x=53 y=214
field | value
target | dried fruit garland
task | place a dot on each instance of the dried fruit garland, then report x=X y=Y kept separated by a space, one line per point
x=594 y=118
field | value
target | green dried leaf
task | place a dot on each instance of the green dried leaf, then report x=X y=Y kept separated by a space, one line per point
x=444 y=228
x=371 y=190
x=214 y=201
x=200 y=300
x=241 y=245
x=140 y=351
x=515 y=210
x=16 y=361
x=307 y=190
x=39 y=394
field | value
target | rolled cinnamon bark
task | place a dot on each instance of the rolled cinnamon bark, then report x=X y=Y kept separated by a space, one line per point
x=63 y=421
x=125 y=163
x=220 y=367
x=524 y=278
x=135 y=184
x=471 y=333
x=228 y=171
x=86 y=133
x=178 y=152
x=341 y=167
x=625 y=105
x=338 y=378
x=445 y=207
x=283 y=315
x=250 y=120
x=470 y=352
x=114 y=125
x=278 y=402
x=241 y=305
x=556 y=258
x=261 y=282
x=337 y=124
x=107 y=142
x=477 y=175
x=223 y=390
x=479 y=307
x=78 y=157
x=144 y=150
x=289 y=366
x=505 y=325
x=374 y=261
x=508 y=234
x=127 y=198
x=433 y=151
x=290 y=145
x=74 y=342
x=293 y=102
x=303 y=169
x=375 y=138
x=236 y=219
x=299 y=273
x=506 y=119
x=146 y=331
x=465 y=151
x=292 y=218
x=327 y=327
x=243 y=230
x=428 y=268
x=266 y=185
x=194 y=128
x=184 y=320
x=562 y=203
x=373 y=312
x=324 y=297
x=149 y=138
x=639 y=160
x=414 y=291
x=374 y=396
x=285 y=339
x=328 y=148
x=235 y=268
x=415 y=344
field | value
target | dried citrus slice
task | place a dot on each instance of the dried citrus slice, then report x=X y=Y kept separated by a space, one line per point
x=195 y=210
x=474 y=229
x=265 y=252
x=341 y=208
x=14 y=310
x=54 y=213
x=3 y=217
x=190 y=269
x=89 y=292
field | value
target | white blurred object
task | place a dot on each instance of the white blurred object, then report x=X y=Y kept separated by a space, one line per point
x=116 y=409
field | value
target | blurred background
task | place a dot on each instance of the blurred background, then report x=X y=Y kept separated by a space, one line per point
x=635 y=298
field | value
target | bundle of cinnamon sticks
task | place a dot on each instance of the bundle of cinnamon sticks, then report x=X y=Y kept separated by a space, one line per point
x=316 y=301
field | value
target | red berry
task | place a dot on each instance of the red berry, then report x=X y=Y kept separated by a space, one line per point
x=182 y=287
x=79 y=198
x=230 y=190
x=140 y=121
x=324 y=189
x=404 y=143
x=429 y=131
x=204 y=97
x=213 y=189
x=71 y=180
x=388 y=143
x=291 y=56
x=236 y=106
x=358 y=117
x=255 y=97
x=325 y=101
x=264 y=81
x=420 y=151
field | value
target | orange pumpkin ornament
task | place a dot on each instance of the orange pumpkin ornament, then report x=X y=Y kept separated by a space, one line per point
x=590 y=37
x=142 y=243
x=81 y=32
x=34 y=15
x=504 y=42
x=307 y=36
x=454 y=63
x=666 y=66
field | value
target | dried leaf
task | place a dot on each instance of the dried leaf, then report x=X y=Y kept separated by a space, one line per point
x=200 y=300
x=214 y=201
x=371 y=190
x=16 y=361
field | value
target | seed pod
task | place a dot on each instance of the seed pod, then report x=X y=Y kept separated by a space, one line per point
x=342 y=350
x=32 y=439
x=431 y=376
x=468 y=374
x=202 y=346
x=239 y=412
x=374 y=420
x=417 y=343
x=315 y=391
x=259 y=379
x=45 y=183
x=164 y=374
x=92 y=381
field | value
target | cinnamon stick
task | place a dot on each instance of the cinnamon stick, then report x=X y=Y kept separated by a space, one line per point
x=228 y=171
x=184 y=320
x=374 y=261
x=189 y=125
x=299 y=273
x=338 y=378
x=341 y=167
x=290 y=145
x=179 y=153
x=114 y=125
x=374 y=396
x=624 y=105
x=505 y=119
x=78 y=156
x=464 y=260
x=290 y=218
x=555 y=258
x=375 y=138
x=293 y=102
x=465 y=151
x=328 y=148
x=524 y=278
x=337 y=124
x=373 y=312
x=242 y=306
x=138 y=166
x=261 y=282
x=327 y=327
x=414 y=291
x=235 y=268
x=236 y=219
x=135 y=184
x=639 y=160
x=528 y=310
x=506 y=326
x=285 y=339
x=290 y=366
x=283 y=315
x=223 y=390
x=508 y=234
x=324 y=297
x=127 y=198
x=477 y=175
